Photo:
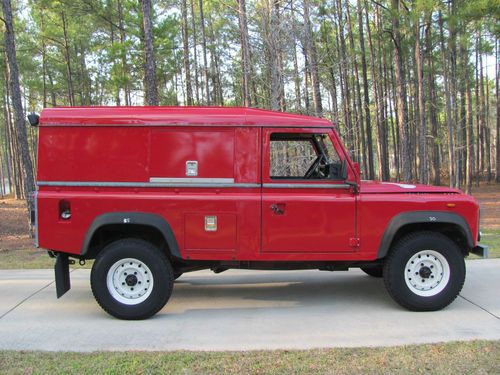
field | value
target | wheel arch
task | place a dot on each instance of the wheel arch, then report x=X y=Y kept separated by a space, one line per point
x=115 y=225
x=450 y=224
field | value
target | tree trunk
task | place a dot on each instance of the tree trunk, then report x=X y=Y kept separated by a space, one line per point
x=432 y=102
x=195 y=54
x=67 y=56
x=497 y=71
x=273 y=42
x=452 y=49
x=358 y=108
x=15 y=89
x=382 y=63
x=422 y=139
x=366 y=104
x=125 y=66
x=310 y=46
x=383 y=164
x=204 y=46
x=185 y=44
x=307 y=101
x=2 y=180
x=478 y=113
x=344 y=79
x=482 y=121
x=485 y=141
x=150 y=86
x=451 y=148
x=245 y=54
x=44 y=59
x=216 y=74
x=469 y=131
x=401 y=94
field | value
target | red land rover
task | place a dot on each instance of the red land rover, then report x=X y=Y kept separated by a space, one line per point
x=153 y=192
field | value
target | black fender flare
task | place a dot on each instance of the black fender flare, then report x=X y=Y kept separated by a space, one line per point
x=131 y=218
x=415 y=217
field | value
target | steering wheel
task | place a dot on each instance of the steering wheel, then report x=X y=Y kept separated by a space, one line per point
x=314 y=168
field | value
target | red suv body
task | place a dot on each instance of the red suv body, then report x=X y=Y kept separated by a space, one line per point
x=178 y=189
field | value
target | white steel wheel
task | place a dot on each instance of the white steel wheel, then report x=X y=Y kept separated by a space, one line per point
x=427 y=273
x=424 y=271
x=129 y=281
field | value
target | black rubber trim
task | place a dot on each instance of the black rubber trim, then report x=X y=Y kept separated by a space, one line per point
x=131 y=218
x=432 y=217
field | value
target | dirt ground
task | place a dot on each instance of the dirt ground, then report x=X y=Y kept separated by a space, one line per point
x=14 y=230
x=489 y=199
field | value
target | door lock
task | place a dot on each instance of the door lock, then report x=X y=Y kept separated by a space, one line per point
x=278 y=208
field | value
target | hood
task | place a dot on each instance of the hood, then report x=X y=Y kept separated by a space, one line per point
x=378 y=187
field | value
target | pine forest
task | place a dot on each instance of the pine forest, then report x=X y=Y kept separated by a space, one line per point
x=412 y=85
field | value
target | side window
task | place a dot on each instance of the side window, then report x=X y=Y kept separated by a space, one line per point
x=303 y=156
x=291 y=158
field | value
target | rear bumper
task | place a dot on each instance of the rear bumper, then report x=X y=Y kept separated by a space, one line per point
x=481 y=250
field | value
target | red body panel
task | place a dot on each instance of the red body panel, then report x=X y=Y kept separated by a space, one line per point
x=91 y=154
x=210 y=147
x=84 y=151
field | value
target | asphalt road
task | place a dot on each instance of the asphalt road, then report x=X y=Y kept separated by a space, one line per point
x=243 y=310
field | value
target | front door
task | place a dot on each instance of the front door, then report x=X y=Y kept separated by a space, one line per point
x=306 y=205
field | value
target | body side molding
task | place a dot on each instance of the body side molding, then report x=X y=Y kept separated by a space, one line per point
x=415 y=217
x=131 y=218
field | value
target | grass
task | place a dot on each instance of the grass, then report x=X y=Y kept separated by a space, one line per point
x=29 y=259
x=490 y=238
x=478 y=357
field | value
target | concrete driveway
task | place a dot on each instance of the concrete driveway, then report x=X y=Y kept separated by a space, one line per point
x=243 y=310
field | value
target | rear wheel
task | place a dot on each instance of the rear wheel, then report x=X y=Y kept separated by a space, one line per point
x=425 y=271
x=131 y=279
x=377 y=271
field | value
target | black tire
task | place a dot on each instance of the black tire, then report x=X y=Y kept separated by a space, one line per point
x=145 y=256
x=398 y=271
x=377 y=271
x=177 y=274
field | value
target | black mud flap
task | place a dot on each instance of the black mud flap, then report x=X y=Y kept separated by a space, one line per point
x=61 y=269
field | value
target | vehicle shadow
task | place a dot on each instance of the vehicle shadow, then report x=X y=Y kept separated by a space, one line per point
x=278 y=290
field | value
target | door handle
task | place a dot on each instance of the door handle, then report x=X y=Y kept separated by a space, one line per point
x=278 y=208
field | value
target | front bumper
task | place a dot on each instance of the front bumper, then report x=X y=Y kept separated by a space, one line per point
x=481 y=250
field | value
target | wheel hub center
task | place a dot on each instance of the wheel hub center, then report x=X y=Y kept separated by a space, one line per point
x=425 y=272
x=131 y=280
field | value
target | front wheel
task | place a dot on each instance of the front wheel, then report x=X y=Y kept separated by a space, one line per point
x=131 y=279
x=425 y=271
